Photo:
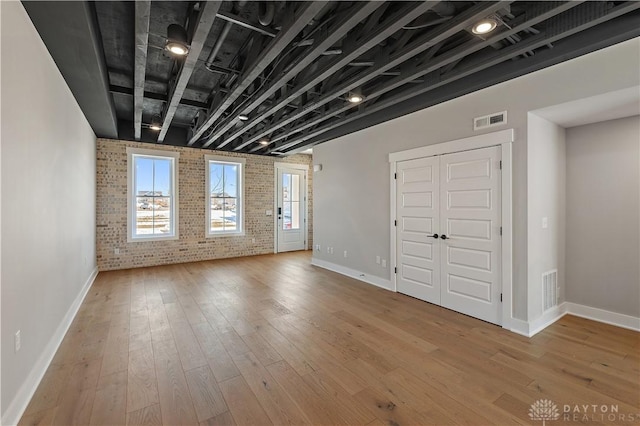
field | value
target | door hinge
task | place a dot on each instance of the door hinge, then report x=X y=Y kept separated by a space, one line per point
x=501 y=230
x=395 y=270
x=500 y=164
x=501 y=297
x=395 y=223
x=395 y=176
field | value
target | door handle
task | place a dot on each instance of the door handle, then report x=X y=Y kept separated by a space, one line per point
x=433 y=236
x=279 y=213
x=444 y=237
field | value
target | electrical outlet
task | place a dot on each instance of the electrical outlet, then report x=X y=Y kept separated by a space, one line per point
x=384 y=263
x=378 y=260
x=328 y=250
x=17 y=341
x=116 y=251
x=345 y=253
x=331 y=250
x=545 y=222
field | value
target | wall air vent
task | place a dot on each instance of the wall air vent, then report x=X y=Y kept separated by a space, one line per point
x=549 y=289
x=491 y=120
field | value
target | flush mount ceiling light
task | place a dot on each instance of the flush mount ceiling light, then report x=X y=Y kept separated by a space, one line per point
x=155 y=127
x=485 y=26
x=177 y=40
x=264 y=142
x=355 y=98
x=243 y=117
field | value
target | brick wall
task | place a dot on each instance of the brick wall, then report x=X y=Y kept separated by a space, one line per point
x=192 y=245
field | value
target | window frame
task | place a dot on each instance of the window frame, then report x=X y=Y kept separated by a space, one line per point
x=132 y=153
x=240 y=204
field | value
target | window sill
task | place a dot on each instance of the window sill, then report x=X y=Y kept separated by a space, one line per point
x=226 y=234
x=148 y=239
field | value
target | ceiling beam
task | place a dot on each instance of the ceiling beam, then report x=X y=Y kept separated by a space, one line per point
x=161 y=97
x=305 y=13
x=384 y=64
x=366 y=42
x=75 y=23
x=143 y=13
x=593 y=14
x=545 y=11
x=348 y=19
x=207 y=15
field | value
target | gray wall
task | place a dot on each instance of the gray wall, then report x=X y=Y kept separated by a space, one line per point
x=351 y=207
x=48 y=205
x=546 y=168
x=603 y=226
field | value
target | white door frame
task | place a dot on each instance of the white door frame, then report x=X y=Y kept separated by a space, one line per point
x=503 y=138
x=305 y=168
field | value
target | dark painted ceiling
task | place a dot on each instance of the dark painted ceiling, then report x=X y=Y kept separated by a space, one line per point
x=288 y=67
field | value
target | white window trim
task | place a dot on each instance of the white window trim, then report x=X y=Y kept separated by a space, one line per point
x=207 y=196
x=131 y=188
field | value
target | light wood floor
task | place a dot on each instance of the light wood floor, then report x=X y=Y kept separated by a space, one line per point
x=274 y=340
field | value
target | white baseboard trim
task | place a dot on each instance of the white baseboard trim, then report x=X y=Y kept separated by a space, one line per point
x=532 y=328
x=20 y=401
x=607 y=317
x=547 y=318
x=352 y=273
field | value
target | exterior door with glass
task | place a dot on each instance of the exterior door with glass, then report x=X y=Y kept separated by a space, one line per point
x=290 y=209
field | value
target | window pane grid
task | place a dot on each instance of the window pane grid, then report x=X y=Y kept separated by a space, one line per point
x=224 y=199
x=154 y=196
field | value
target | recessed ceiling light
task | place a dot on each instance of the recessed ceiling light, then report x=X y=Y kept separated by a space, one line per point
x=177 y=40
x=485 y=26
x=355 y=98
x=243 y=117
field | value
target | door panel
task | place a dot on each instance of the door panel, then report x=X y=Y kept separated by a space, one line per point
x=291 y=204
x=417 y=207
x=470 y=218
x=457 y=195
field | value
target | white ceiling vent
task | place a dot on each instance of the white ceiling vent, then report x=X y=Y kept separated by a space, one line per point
x=490 y=120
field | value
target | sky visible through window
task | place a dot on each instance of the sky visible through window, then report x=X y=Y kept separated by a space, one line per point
x=222 y=179
x=153 y=175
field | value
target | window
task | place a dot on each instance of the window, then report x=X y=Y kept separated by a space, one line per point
x=152 y=195
x=225 y=193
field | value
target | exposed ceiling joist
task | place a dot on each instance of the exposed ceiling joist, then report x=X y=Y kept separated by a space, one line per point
x=143 y=13
x=594 y=14
x=544 y=12
x=207 y=15
x=306 y=12
x=383 y=65
x=347 y=21
x=234 y=19
x=370 y=40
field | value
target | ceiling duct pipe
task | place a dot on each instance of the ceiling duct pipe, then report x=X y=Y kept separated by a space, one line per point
x=216 y=48
x=266 y=12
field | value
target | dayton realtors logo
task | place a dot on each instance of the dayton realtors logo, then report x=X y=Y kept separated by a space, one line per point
x=545 y=410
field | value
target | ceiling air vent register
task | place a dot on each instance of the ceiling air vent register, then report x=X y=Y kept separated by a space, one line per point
x=491 y=120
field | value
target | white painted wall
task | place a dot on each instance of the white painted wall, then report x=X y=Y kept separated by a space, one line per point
x=48 y=207
x=546 y=175
x=351 y=208
x=603 y=211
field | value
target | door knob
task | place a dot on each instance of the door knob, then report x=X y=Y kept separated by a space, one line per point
x=444 y=237
x=433 y=236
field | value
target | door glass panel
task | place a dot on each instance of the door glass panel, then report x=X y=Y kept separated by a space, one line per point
x=295 y=215
x=295 y=187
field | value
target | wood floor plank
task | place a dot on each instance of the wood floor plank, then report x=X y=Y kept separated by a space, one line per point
x=176 y=405
x=272 y=396
x=274 y=340
x=142 y=388
x=147 y=416
x=205 y=393
x=242 y=402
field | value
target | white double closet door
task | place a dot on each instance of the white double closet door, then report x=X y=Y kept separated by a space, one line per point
x=448 y=231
